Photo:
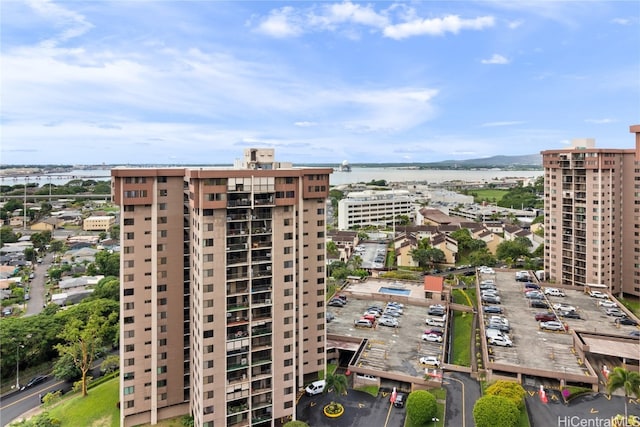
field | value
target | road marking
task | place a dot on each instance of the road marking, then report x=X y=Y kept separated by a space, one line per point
x=312 y=404
x=594 y=411
x=388 y=414
x=361 y=405
x=607 y=396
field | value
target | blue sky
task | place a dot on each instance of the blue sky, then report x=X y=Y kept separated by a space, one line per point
x=182 y=82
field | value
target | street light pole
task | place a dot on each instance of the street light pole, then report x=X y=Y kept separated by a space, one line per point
x=18 y=346
x=435 y=420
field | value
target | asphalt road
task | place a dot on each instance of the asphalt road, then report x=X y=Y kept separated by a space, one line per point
x=15 y=404
x=462 y=393
x=36 y=291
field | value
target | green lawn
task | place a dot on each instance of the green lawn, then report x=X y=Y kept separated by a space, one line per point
x=632 y=304
x=98 y=409
x=462 y=323
x=490 y=195
x=523 y=421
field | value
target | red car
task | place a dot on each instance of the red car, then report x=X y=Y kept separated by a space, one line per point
x=545 y=317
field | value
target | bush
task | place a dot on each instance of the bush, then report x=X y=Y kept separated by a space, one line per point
x=421 y=407
x=509 y=389
x=495 y=411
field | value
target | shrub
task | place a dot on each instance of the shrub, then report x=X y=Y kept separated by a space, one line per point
x=509 y=389
x=495 y=411
x=421 y=407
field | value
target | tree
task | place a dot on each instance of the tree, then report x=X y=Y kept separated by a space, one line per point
x=65 y=369
x=296 y=423
x=108 y=263
x=57 y=245
x=514 y=249
x=356 y=261
x=421 y=407
x=425 y=255
x=495 y=411
x=109 y=288
x=82 y=340
x=509 y=389
x=628 y=381
x=29 y=254
x=336 y=383
x=7 y=235
x=332 y=248
x=110 y=364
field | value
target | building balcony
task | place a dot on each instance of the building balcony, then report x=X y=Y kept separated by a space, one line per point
x=258 y=331
x=237 y=334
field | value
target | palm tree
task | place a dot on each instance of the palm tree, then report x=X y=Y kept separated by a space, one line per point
x=336 y=383
x=628 y=381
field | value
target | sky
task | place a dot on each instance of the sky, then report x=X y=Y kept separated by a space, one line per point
x=197 y=82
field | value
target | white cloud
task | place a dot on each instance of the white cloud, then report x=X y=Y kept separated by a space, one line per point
x=496 y=59
x=72 y=23
x=505 y=123
x=621 y=21
x=306 y=124
x=514 y=24
x=281 y=23
x=437 y=26
x=347 y=16
x=600 y=121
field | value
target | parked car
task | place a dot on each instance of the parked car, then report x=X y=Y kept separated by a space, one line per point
x=615 y=312
x=569 y=314
x=336 y=302
x=429 y=361
x=370 y=317
x=537 y=303
x=607 y=304
x=363 y=323
x=531 y=286
x=329 y=317
x=499 y=319
x=435 y=321
x=635 y=333
x=488 y=282
x=35 y=381
x=598 y=294
x=626 y=321
x=7 y=311
x=487 y=286
x=554 y=292
x=563 y=307
x=432 y=337
x=391 y=312
x=499 y=326
x=315 y=387
x=491 y=299
x=388 y=321
x=436 y=310
x=395 y=304
x=491 y=292
x=374 y=313
x=492 y=309
x=534 y=295
x=552 y=326
x=501 y=341
x=545 y=317
x=400 y=399
x=434 y=330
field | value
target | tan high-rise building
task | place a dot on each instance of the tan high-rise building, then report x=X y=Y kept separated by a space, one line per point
x=592 y=216
x=222 y=290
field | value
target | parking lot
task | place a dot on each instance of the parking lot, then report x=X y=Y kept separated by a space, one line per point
x=373 y=255
x=541 y=349
x=391 y=349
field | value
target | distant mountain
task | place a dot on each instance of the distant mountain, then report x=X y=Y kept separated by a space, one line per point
x=511 y=162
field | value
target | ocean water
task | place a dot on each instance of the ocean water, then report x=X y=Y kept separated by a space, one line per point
x=358 y=174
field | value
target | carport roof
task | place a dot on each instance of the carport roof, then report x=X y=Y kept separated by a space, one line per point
x=609 y=347
x=342 y=345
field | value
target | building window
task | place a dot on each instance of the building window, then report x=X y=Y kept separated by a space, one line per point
x=128 y=376
x=288 y=390
x=128 y=390
x=288 y=362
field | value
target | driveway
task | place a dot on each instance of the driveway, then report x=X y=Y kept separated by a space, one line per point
x=361 y=409
x=36 y=292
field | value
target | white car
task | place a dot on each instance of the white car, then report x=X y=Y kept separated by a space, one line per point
x=432 y=337
x=388 y=321
x=564 y=307
x=598 y=294
x=552 y=325
x=498 y=319
x=607 y=304
x=554 y=292
x=429 y=361
x=501 y=341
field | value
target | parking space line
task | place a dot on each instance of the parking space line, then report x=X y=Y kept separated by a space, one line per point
x=388 y=414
